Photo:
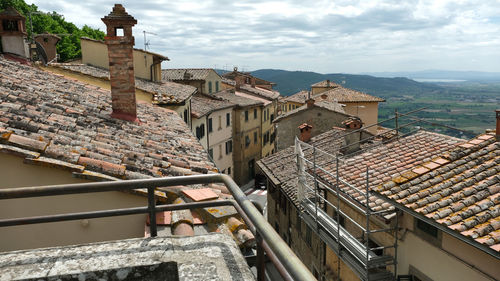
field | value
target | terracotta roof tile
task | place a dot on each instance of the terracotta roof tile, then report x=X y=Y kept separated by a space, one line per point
x=202 y=105
x=202 y=194
x=463 y=192
x=165 y=92
x=68 y=121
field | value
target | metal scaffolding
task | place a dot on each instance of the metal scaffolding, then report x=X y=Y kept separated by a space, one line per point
x=312 y=193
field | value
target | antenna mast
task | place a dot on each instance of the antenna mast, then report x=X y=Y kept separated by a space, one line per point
x=146 y=43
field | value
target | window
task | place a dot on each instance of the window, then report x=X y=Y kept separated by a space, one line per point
x=272 y=118
x=10 y=25
x=211 y=153
x=228 y=119
x=229 y=146
x=216 y=86
x=200 y=131
x=209 y=86
x=220 y=151
x=255 y=113
x=255 y=137
x=185 y=116
x=247 y=141
x=267 y=112
x=265 y=115
x=229 y=170
x=220 y=123
x=246 y=115
x=266 y=137
x=210 y=129
x=289 y=107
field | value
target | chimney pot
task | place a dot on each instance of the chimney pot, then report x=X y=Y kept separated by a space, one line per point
x=305 y=132
x=121 y=63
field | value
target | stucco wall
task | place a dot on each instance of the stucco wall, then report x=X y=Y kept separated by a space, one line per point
x=14 y=173
x=322 y=120
x=139 y=94
x=14 y=45
x=367 y=111
x=425 y=257
x=96 y=54
x=242 y=154
x=218 y=138
x=214 y=78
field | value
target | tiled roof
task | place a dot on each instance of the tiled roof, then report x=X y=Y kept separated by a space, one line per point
x=268 y=94
x=55 y=121
x=459 y=189
x=331 y=106
x=326 y=83
x=163 y=92
x=281 y=167
x=11 y=13
x=241 y=101
x=299 y=97
x=180 y=74
x=385 y=162
x=244 y=94
x=342 y=95
x=228 y=81
x=202 y=105
x=222 y=219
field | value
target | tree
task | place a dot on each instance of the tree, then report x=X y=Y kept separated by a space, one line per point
x=69 y=47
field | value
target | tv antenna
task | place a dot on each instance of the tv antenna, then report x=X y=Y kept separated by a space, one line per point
x=146 y=43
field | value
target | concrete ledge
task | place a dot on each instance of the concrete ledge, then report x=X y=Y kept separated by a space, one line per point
x=205 y=257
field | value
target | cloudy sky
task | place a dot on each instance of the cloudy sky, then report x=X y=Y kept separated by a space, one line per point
x=350 y=36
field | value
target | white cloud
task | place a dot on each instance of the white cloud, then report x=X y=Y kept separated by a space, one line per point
x=323 y=35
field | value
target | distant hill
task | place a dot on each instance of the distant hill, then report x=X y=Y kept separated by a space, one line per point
x=475 y=76
x=290 y=82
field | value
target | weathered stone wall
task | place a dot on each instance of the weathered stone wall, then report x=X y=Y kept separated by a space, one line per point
x=321 y=119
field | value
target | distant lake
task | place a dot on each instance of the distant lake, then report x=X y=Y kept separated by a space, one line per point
x=437 y=80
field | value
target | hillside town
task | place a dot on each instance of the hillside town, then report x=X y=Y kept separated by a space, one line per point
x=239 y=181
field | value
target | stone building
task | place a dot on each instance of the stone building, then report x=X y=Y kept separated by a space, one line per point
x=13 y=33
x=206 y=80
x=432 y=193
x=321 y=115
x=261 y=90
x=213 y=126
x=247 y=146
x=356 y=103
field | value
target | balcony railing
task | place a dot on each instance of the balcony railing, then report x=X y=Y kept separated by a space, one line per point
x=268 y=241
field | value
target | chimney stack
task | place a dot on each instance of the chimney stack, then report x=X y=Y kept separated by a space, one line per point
x=252 y=80
x=305 y=132
x=239 y=80
x=328 y=83
x=309 y=102
x=120 y=44
x=498 y=124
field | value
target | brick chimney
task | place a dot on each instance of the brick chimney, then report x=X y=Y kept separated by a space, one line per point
x=252 y=81
x=498 y=124
x=120 y=44
x=239 y=80
x=309 y=103
x=305 y=132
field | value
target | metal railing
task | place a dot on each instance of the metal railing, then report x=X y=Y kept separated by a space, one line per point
x=268 y=241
